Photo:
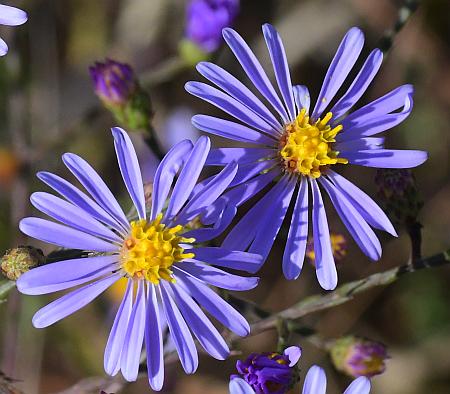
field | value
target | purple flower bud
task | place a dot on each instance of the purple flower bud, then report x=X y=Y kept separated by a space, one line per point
x=359 y=357
x=273 y=373
x=398 y=194
x=114 y=82
x=205 y=20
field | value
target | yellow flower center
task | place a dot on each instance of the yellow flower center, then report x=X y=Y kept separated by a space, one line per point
x=338 y=246
x=306 y=148
x=371 y=365
x=151 y=249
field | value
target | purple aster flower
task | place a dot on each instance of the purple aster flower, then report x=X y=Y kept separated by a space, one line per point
x=315 y=383
x=205 y=20
x=163 y=264
x=299 y=148
x=10 y=16
x=270 y=372
x=114 y=82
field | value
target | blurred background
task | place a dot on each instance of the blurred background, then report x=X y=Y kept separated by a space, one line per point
x=48 y=106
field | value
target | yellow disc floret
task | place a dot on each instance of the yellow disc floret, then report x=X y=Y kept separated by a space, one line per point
x=306 y=146
x=151 y=249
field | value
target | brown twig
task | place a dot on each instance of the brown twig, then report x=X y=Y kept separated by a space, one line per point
x=345 y=293
x=404 y=13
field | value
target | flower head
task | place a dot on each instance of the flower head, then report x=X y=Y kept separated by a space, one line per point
x=10 y=16
x=359 y=357
x=168 y=274
x=270 y=372
x=19 y=260
x=315 y=383
x=300 y=148
x=205 y=20
x=114 y=82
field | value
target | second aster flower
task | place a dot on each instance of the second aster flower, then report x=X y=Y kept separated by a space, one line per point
x=156 y=253
x=299 y=148
x=315 y=383
x=270 y=372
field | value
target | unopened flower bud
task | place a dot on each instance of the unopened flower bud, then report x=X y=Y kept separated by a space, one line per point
x=270 y=372
x=114 y=82
x=17 y=261
x=358 y=356
x=118 y=88
x=398 y=195
x=338 y=245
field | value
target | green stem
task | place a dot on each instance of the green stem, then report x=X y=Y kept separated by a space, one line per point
x=154 y=145
x=345 y=293
x=5 y=287
x=164 y=72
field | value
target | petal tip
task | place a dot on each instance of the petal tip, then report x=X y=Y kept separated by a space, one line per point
x=117 y=131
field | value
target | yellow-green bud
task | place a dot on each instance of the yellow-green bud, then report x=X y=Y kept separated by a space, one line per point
x=19 y=260
x=359 y=356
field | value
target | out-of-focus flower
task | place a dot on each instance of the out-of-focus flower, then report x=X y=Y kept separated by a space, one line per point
x=10 y=16
x=9 y=166
x=117 y=290
x=19 y=260
x=205 y=20
x=359 y=356
x=270 y=372
x=178 y=126
x=162 y=262
x=118 y=88
x=338 y=245
x=399 y=195
x=299 y=149
x=315 y=383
